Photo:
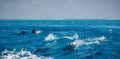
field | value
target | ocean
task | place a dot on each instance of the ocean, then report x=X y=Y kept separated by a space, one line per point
x=59 y=39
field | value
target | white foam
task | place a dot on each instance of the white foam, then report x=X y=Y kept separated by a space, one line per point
x=21 y=55
x=37 y=32
x=78 y=43
x=75 y=36
x=68 y=37
x=100 y=38
x=50 y=37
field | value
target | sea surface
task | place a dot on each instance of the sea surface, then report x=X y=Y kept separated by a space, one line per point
x=60 y=39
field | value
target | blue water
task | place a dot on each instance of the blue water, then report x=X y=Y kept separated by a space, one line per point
x=60 y=39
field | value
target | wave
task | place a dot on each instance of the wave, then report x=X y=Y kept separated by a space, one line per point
x=113 y=27
x=21 y=55
x=50 y=37
x=107 y=26
x=78 y=43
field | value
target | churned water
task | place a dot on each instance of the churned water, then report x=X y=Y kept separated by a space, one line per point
x=59 y=39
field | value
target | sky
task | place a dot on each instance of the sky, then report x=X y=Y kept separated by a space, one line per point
x=59 y=9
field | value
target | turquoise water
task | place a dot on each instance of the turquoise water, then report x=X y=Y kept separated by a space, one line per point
x=60 y=39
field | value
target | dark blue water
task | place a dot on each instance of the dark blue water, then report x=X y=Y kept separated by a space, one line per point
x=60 y=39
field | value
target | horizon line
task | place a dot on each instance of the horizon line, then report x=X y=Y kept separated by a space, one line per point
x=59 y=19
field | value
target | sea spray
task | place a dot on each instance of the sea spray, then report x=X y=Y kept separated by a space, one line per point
x=75 y=36
x=50 y=37
x=78 y=43
x=21 y=55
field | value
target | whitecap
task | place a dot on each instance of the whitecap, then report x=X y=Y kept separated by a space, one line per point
x=21 y=55
x=50 y=37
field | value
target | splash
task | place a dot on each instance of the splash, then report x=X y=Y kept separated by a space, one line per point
x=50 y=37
x=75 y=36
x=37 y=32
x=110 y=30
x=78 y=43
x=102 y=38
x=20 y=55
